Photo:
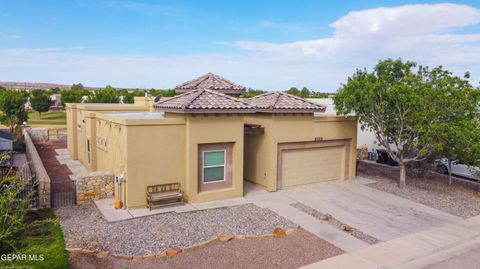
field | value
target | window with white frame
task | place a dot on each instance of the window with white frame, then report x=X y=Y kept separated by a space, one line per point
x=213 y=166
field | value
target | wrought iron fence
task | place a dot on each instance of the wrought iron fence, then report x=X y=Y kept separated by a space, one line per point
x=31 y=187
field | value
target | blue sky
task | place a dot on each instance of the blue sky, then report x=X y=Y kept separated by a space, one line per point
x=270 y=45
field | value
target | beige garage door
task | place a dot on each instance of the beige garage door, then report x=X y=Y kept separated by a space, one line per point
x=309 y=165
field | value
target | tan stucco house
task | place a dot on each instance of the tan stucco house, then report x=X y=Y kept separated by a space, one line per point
x=210 y=142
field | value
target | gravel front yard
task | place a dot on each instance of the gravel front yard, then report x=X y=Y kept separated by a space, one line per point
x=459 y=199
x=84 y=227
x=297 y=249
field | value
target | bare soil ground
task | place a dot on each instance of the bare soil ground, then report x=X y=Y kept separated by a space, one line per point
x=47 y=153
x=461 y=198
x=297 y=249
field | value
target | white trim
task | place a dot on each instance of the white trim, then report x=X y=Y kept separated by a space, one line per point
x=213 y=166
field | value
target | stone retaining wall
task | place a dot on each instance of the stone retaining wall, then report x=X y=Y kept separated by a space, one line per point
x=36 y=165
x=93 y=186
x=370 y=168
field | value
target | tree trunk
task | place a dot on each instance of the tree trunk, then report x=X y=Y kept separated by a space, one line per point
x=449 y=172
x=39 y=115
x=401 y=182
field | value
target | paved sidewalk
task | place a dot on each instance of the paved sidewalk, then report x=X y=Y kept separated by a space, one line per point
x=467 y=260
x=441 y=245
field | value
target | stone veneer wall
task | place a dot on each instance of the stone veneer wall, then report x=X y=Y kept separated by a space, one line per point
x=93 y=186
x=36 y=165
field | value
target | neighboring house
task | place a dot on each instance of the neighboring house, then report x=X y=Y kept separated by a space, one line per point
x=210 y=143
x=365 y=138
x=6 y=140
x=56 y=101
x=214 y=82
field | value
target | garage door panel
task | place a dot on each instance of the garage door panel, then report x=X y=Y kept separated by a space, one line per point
x=309 y=165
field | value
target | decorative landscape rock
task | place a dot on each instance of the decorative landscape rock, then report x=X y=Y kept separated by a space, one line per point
x=279 y=233
x=172 y=252
x=224 y=237
x=102 y=254
x=349 y=229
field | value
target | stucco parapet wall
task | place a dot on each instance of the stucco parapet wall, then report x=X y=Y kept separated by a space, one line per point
x=112 y=117
x=71 y=105
x=109 y=107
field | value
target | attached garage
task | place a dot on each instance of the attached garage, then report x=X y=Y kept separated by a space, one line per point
x=310 y=162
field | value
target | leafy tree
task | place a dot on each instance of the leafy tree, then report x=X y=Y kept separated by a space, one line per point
x=40 y=101
x=77 y=87
x=163 y=93
x=319 y=94
x=107 y=95
x=74 y=94
x=459 y=141
x=305 y=92
x=404 y=107
x=293 y=91
x=127 y=97
x=252 y=92
x=12 y=105
x=456 y=135
x=53 y=91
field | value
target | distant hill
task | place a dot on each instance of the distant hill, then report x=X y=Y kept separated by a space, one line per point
x=33 y=85
x=48 y=86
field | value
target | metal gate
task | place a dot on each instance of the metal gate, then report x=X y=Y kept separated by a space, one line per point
x=31 y=184
x=63 y=192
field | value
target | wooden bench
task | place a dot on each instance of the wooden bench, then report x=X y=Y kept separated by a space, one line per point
x=164 y=194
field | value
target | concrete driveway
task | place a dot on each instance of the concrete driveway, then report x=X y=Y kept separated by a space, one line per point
x=379 y=214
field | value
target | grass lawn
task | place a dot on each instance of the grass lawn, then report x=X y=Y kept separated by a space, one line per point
x=42 y=238
x=48 y=118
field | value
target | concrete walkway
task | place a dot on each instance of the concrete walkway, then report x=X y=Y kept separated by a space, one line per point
x=435 y=248
x=107 y=208
x=75 y=166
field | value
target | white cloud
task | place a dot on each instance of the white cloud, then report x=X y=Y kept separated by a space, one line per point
x=410 y=30
x=428 y=34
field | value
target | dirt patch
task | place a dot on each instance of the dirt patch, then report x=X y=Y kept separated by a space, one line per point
x=459 y=199
x=46 y=150
x=297 y=249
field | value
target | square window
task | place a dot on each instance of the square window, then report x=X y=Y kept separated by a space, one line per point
x=213 y=166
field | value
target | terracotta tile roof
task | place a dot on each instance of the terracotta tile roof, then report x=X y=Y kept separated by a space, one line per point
x=211 y=81
x=280 y=102
x=204 y=101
